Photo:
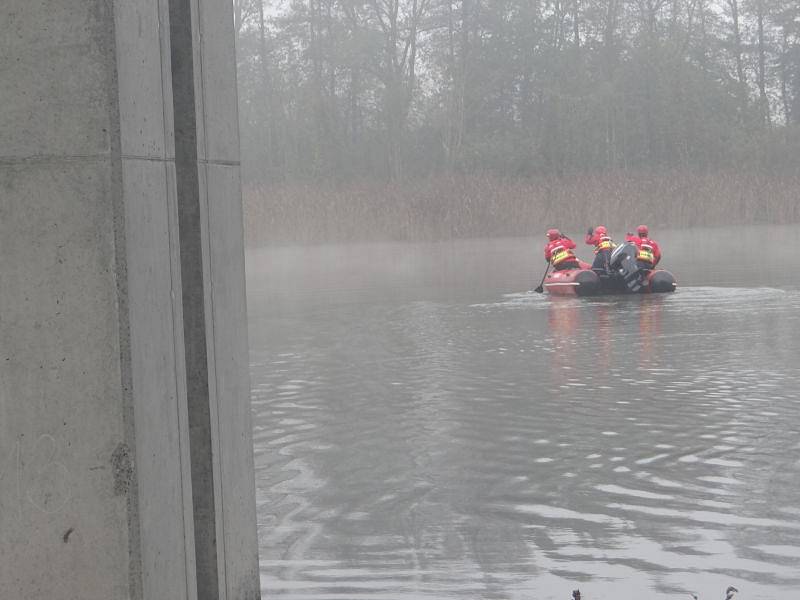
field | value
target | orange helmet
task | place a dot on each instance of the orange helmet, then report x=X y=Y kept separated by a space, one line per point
x=642 y=230
x=553 y=234
x=600 y=230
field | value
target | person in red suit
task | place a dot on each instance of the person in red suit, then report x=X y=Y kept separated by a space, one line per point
x=603 y=245
x=648 y=252
x=559 y=251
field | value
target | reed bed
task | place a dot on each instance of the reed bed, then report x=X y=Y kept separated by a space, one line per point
x=487 y=206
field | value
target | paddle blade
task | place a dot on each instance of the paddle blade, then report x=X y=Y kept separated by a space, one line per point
x=539 y=290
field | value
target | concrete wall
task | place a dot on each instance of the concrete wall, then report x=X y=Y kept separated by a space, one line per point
x=125 y=441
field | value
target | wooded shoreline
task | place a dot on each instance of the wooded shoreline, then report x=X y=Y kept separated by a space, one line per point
x=450 y=207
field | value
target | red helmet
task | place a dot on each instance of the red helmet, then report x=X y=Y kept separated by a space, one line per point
x=553 y=234
x=642 y=230
x=600 y=230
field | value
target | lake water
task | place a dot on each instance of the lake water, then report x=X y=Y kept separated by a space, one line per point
x=427 y=428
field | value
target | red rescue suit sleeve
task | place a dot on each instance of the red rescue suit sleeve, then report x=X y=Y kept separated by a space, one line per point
x=592 y=240
x=656 y=252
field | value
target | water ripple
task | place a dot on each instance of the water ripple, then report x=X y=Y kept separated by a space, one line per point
x=520 y=446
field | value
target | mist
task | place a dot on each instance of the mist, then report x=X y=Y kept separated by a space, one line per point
x=424 y=119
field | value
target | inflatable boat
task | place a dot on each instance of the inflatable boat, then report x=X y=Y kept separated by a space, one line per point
x=625 y=276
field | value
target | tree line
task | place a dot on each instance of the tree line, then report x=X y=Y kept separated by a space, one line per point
x=346 y=90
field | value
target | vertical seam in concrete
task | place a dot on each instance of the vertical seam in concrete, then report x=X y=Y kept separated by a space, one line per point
x=182 y=45
x=179 y=367
x=219 y=497
x=135 y=582
x=177 y=332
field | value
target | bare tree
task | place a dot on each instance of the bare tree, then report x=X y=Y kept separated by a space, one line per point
x=736 y=49
x=390 y=89
x=762 y=63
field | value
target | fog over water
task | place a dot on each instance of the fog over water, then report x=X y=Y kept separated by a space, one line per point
x=427 y=428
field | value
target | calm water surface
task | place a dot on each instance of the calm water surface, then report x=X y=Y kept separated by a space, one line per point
x=426 y=428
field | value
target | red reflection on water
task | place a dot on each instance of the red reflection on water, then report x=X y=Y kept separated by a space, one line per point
x=563 y=319
x=649 y=329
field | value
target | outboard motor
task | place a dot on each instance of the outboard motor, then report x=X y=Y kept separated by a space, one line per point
x=625 y=267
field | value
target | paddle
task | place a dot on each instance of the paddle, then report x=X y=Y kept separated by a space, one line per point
x=540 y=289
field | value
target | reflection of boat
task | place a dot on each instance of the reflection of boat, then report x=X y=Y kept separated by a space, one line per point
x=626 y=277
x=564 y=324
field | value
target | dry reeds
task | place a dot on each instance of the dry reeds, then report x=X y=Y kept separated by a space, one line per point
x=486 y=205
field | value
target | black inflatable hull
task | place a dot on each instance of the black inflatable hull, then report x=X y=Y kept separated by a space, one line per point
x=660 y=282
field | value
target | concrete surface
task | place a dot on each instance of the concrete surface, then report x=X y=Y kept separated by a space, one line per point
x=122 y=321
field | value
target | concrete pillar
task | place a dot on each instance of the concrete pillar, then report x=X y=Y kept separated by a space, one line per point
x=126 y=467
